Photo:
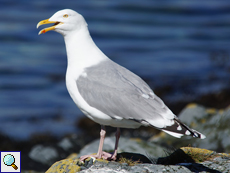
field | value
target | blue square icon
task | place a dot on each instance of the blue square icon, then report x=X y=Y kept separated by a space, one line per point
x=10 y=161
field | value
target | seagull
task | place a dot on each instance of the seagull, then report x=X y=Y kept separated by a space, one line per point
x=106 y=92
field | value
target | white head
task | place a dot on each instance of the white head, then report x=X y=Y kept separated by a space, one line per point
x=65 y=21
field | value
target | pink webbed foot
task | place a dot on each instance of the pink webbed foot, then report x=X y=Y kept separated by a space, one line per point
x=104 y=155
x=109 y=156
x=101 y=154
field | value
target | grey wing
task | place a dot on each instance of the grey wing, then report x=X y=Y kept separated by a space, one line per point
x=118 y=92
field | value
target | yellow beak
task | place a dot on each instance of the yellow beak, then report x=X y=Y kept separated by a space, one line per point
x=46 y=21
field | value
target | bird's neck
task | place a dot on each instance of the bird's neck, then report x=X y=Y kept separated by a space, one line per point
x=81 y=50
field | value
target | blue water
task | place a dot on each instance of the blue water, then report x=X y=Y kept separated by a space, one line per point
x=183 y=44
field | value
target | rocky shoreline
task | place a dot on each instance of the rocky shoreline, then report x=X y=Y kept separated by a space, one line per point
x=156 y=153
x=187 y=159
x=154 y=147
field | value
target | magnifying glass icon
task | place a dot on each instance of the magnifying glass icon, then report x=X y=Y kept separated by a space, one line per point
x=9 y=160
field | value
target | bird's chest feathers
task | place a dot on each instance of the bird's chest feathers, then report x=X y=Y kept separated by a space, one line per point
x=71 y=84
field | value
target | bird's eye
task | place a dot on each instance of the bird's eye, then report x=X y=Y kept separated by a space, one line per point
x=65 y=15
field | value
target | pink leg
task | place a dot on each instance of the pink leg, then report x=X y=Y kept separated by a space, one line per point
x=100 y=152
x=118 y=133
x=102 y=138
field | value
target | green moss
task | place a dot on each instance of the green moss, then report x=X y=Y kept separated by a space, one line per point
x=65 y=166
x=198 y=154
x=201 y=155
x=102 y=160
x=188 y=155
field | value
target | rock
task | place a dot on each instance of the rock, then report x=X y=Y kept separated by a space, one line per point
x=45 y=155
x=191 y=155
x=67 y=166
x=125 y=157
x=72 y=143
x=125 y=145
x=66 y=144
x=210 y=162
x=146 y=156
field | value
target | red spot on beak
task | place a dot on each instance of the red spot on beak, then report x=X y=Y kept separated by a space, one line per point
x=44 y=31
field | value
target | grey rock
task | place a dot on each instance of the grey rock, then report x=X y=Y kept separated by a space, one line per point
x=83 y=167
x=88 y=163
x=137 y=169
x=192 y=114
x=46 y=155
x=71 y=143
x=66 y=144
x=114 y=165
x=125 y=145
x=222 y=165
x=216 y=162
